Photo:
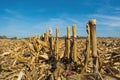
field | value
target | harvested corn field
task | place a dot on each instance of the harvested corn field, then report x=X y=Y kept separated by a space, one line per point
x=55 y=58
x=25 y=60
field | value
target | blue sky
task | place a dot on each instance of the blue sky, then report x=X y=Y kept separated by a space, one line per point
x=23 y=18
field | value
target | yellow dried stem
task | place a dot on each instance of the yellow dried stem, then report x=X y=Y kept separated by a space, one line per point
x=68 y=43
x=56 y=43
x=74 y=54
x=47 y=35
x=74 y=28
x=92 y=24
x=87 y=49
x=68 y=32
x=43 y=43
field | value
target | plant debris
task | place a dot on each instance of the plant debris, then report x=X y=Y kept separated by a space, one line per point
x=31 y=59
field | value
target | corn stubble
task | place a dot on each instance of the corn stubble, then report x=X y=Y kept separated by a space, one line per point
x=69 y=59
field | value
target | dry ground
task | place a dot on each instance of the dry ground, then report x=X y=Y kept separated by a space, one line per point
x=23 y=60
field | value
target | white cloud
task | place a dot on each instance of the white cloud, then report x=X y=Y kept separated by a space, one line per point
x=53 y=23
x=62 y=23
x=117 y=8
x=75 y=21
x=10 y=11
x=107 y=17
x=109 y=21
x=42 y=10
x=107 y=25
x=16 y=24
x=20 y=25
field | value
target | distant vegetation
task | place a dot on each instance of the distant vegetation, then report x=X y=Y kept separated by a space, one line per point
x=5 y=37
